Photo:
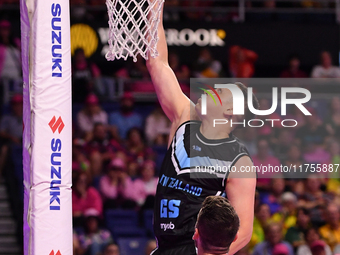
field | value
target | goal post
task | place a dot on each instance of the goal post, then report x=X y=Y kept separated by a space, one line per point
x=47 y=120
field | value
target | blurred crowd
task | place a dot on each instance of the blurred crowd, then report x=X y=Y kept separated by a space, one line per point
x=117 y=151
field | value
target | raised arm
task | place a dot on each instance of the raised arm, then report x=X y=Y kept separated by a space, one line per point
x=240 y=191
x=169 y=93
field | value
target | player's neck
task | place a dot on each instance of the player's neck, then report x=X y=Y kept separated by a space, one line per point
x=217 y=132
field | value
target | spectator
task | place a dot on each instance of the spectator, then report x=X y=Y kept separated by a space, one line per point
x=135 y=145
x=207 y=66
x=84 y=197
x=283 y=142
x=89 y=115
x=100 y=149
x=249 y=136
x=312 y=136
x=273 y=197
x=261 y=220
x=267 y=129
x=332 y=122
x=10 y=61
x=134 y=70
x=116 y=186
x=264 y=158
x=316 y=154
x=314 y=198
x=11 y=129
x=294 y=234
x=111 y=249
x=318 y=248
x=145 y=187
x=79 y=159
x=297 y=186
x=96 y=13
x=94 y=240
x=296 y=114
x=334 y=150
x=312 y=238
x=182 y=72
x=337 y=250
x=197 y=15
x=84 y=74
x=157 y=127
x=325 y=69
x=151 y=245
x=171 y=15
x=331 y=231
x=78 y=10
x=294 y=159
x=132 y=169
x=287 y=214
x=333 y=184
x=273 y=243
x=293 y=70
x=241 y=62
x=126 y=118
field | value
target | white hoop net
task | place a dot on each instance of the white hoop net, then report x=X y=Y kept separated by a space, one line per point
x=133 y=28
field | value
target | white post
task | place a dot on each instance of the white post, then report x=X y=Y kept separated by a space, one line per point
x=47 y=139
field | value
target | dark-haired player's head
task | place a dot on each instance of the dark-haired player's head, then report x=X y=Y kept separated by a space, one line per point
x=217 y=226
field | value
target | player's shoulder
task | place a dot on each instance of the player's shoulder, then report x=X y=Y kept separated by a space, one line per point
x=239 y=148
x=239 y=142
x=189 y=124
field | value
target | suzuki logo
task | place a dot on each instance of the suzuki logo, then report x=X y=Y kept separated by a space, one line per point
x=52 y=253
x=54 y=125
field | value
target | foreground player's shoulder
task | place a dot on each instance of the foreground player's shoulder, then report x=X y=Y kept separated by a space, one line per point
x=183 y=126
x=241 y=177
x=243 y=161
x=242 y=171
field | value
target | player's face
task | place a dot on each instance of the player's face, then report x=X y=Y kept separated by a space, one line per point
x=214 y=108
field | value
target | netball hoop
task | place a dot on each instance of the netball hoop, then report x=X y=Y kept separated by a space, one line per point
x=133 y=28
